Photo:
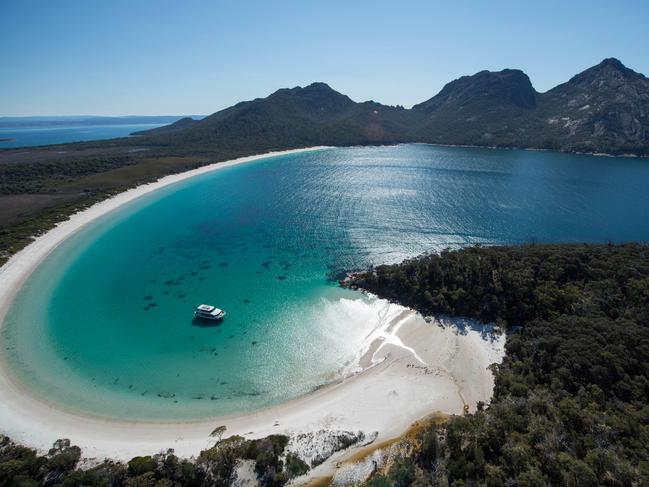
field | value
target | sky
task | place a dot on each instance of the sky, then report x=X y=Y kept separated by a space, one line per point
x=163 y=57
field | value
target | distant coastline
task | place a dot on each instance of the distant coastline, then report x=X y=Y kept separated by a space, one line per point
x=54 y=121
x=42 y=133
x=536 y=149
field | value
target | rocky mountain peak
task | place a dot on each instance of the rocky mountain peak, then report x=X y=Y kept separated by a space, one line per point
x=610 y=69
x=509 y=87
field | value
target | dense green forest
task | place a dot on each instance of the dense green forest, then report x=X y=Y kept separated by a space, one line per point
x=23 y=467
x=571 y=402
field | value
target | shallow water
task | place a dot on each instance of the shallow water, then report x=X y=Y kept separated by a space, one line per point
x=105 y=324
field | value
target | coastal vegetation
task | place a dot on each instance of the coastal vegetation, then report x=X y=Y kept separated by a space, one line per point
x=21 y=466
x=571 y=400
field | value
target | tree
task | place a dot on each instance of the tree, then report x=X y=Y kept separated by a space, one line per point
x=219 y=431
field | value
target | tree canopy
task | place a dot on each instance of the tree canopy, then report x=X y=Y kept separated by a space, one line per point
x=571 y=401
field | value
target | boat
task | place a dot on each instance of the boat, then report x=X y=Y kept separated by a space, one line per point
x=209 y=312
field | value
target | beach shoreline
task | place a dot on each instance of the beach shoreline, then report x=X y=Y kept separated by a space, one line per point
x=403 y=375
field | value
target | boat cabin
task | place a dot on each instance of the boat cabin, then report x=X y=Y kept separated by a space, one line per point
x=209 y=312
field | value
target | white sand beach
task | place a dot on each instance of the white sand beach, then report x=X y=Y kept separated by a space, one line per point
x=409 y=369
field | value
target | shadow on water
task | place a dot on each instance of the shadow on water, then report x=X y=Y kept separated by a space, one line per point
x=204 y=323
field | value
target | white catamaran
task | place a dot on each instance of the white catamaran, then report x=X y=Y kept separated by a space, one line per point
x=208 y=312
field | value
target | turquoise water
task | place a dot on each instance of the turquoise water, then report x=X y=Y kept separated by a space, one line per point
x=105 y=324
x=34 y=136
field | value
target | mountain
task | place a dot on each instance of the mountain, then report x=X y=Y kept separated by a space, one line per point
x=313 y=115
x=487 y=90
x=603 y=109
x=484 y=109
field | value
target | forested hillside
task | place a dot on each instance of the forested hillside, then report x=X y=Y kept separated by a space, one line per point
x=297 y=117
x=571 y=403
x=603 y=109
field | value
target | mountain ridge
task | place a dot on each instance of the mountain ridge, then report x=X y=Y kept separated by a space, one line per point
x=603 y=109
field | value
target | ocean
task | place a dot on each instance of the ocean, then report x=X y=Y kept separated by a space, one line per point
x=35 y=131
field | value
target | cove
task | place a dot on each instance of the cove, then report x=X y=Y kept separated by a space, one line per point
x=104 y=325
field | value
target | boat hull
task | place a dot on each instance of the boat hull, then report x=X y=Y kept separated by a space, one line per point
x=218 y=317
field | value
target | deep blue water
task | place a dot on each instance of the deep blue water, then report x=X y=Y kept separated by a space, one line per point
x=62 y=134
x=104 y=325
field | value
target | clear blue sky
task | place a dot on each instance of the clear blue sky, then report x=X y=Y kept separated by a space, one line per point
x=117 y=57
